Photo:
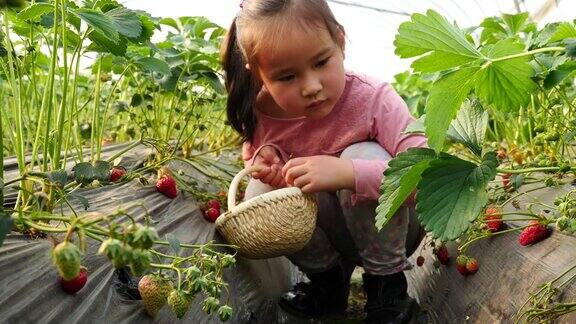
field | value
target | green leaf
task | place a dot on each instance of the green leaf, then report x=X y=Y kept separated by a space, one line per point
x=136 y=100
x=469 y=127
x=400 y=179
x=83 y=172
x=214 y=82
x=438 y=61
x=515 y=22
x=99 y=22
x=571 y=48
x=102 y=170
x=35 y=11
x=433 y=33
x=58 y=177
x=174 y=243
x=446 y=97
x=506 y=84
x=102 y=44
x=170 y=22
x=5 y=225
x=452 y=192
x=126 y=22
x=563 y=30
x=560 y=74
x=153 y=64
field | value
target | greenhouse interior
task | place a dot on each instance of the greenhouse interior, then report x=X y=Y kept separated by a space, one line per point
x=288 y=161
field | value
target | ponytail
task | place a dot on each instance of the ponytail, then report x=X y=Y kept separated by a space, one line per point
x=241 y=86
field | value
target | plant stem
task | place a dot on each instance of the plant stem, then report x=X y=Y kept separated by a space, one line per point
x=536 y=51
x=63 y=104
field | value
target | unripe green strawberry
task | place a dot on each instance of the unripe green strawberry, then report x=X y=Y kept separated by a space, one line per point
x=111 y=248
x=144 y=237
x=179 y=302
x=140 y=262
x=66 y=258
x=124 y=258
x=225 y=312
x=154 y=291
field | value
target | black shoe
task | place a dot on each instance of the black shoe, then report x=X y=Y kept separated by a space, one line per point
x=325 y=295
x=387 y=299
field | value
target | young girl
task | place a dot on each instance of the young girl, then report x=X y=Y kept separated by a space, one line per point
x=310 y=123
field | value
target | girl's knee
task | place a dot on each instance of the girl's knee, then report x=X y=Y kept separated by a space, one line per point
x=255 y=188
x=367 y=151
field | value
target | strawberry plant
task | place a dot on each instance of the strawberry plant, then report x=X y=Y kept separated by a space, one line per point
x=452 y=191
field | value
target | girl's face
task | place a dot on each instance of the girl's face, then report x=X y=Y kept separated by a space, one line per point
x=304 y=71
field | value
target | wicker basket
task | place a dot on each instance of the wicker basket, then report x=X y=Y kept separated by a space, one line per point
x=276 y=223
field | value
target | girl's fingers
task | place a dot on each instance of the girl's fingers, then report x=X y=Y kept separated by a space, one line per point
x=268 y=154
x=262 y=173
x=277 y=180
x=291 y=164
x=301 y=182
x=293 y=173
x=268 y=178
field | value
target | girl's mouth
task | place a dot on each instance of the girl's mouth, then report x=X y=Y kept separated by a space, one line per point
x=315 y=104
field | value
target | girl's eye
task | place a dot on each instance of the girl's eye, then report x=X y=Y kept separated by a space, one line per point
x=286 y=78
x=323 y=62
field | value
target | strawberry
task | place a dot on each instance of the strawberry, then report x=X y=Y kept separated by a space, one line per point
x=442 y=254
x=461 y=262
x=501 y=154
x=66 y=258
x=116 y=173
x=140 y=261
x=420 y=261
x=494 y=219
x=472 y=265
x=534 y=233
x=211 y=214
x=154 y=290
x=214 y=203
x=179 y=302
x=167 y=185
x=506 y=180
x=73 y=286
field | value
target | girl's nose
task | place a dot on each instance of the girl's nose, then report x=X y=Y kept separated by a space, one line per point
x=311 y=87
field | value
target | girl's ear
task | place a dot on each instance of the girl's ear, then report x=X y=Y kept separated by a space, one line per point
x=341 y=38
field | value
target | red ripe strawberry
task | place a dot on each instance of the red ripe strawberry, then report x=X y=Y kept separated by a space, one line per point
x=534 y=233
x=506 y=180
x=461 y=262
x=494 y=219
x=73 y=286
x=472 y=265
x=420 y=261
x=116 y=173
x=213 y=203
x=167 y=185
x=442 y=254
x=211 y=214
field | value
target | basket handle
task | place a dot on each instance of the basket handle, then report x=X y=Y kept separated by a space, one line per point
x=234 y=184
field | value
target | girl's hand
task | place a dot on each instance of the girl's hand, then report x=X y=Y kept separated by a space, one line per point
x=272 y=164
x=319 y=173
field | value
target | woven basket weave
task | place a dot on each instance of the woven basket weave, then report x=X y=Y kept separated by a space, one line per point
x=276 y=223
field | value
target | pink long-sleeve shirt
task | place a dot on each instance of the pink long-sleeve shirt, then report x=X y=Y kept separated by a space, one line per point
x=368 y=110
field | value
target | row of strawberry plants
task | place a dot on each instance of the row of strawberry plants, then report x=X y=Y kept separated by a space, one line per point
x=494 y=100
x=165 y=95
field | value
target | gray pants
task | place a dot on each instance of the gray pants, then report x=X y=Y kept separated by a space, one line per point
x=347 y=232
